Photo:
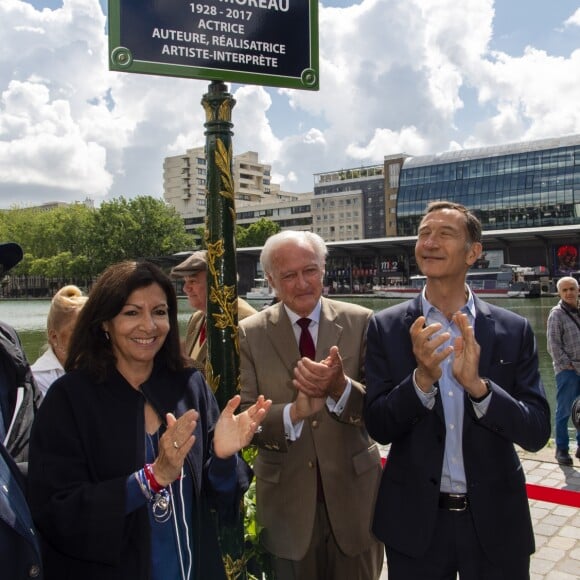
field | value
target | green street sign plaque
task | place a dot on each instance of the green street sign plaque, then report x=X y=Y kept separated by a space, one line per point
x=261 y=42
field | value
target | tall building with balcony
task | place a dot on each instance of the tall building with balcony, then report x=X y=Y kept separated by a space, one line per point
x=185 y=180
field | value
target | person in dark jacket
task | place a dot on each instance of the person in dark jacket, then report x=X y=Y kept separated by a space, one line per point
x=452 y=384
x=129 y=452
x=19 y=395
x=20 y=556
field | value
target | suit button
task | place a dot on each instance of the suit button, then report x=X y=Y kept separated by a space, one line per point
x=314 y=424
x=34 y=571
x=311 y=464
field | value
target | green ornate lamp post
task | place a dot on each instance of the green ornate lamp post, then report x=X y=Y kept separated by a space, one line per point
x=222 y=369
x=223 y=360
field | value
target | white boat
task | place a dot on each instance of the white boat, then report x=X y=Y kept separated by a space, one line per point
x=491 y=283
x=261 y=290
x=409 y=292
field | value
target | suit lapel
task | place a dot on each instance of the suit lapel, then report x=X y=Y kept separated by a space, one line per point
x=484 y=334
x=329 y=330
x=281 y=336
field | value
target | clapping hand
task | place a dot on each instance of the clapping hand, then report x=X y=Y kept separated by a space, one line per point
x=428 y=352
x=233 y=432
x=174 y=445
x=321 y=379
x=466 y=360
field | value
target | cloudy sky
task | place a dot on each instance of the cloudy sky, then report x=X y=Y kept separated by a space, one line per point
x=413 y=76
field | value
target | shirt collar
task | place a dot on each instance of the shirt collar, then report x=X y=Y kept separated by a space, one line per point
x=469 y=306
x=314 y=315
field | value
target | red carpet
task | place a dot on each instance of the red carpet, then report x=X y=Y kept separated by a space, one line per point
x=543 y=493
x=553 y=495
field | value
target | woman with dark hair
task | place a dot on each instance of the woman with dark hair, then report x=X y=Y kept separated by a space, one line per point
x=129 y=452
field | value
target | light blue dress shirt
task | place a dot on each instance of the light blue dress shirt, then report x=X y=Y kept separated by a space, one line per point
x=453 y=478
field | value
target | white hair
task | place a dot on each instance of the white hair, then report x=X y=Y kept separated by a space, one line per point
x=564 y=280
x=273 y=243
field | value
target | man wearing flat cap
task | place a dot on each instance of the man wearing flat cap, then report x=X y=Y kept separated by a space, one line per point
x=193 y=272
x=19 y=400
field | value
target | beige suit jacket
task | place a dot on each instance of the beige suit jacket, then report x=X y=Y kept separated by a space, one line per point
x=285 y=471
x=194 y=328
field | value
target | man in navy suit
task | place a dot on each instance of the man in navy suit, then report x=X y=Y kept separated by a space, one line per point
x=452 y=384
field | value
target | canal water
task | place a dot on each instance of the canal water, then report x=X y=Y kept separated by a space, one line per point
x=28 y=317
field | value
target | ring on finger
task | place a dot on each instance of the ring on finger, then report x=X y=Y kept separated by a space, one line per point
x=176 y=445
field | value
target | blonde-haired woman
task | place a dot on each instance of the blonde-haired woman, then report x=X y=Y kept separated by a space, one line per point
x=62 y=316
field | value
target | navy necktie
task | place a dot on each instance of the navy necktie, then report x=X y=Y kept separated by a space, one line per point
x=306 y=344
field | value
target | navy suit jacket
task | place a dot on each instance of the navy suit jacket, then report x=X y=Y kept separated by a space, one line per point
x=19 y=547
x=518 y=412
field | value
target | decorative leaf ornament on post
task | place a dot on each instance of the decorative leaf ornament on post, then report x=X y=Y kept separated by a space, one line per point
x=223 y=360
x=222 y=367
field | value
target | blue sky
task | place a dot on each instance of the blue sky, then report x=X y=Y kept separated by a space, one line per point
x=413 y=76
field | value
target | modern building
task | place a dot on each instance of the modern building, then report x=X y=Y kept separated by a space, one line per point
x=533 y=185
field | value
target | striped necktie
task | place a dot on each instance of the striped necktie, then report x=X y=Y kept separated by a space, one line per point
x=202 y=333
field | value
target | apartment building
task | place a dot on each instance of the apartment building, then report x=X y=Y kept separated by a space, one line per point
x=185 y=180
x=295 y=214
x=349 y=204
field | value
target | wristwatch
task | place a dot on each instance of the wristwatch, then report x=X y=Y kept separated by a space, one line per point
x=479 y=399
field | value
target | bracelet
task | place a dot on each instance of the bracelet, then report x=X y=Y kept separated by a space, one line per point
x=154 y=485
x=143 y=484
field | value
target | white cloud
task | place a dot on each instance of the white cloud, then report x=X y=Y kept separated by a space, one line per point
x=408 y=139
x=42 y=145
x=396 y=76
x=535 y=96
x=574 y=20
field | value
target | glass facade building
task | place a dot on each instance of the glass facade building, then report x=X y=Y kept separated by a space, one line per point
x=524 y=185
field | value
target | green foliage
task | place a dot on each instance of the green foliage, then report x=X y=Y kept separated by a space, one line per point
x=77 y=242
x=256 y=234
x=256 y=556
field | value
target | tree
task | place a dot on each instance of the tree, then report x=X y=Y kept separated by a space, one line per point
x=256 y=234
x=77 y=242
x=138 y=228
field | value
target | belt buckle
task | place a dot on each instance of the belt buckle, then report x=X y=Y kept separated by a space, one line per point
x=458 y=496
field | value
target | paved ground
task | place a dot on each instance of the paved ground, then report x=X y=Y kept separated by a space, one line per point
x=556 y=527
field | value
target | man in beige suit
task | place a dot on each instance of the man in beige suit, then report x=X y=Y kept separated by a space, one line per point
x=193 y=272
x=317 y=470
